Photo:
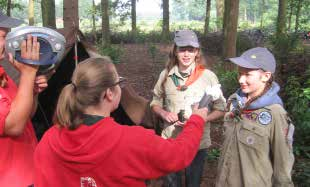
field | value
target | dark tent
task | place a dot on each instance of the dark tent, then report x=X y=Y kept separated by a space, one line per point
x=133 y=110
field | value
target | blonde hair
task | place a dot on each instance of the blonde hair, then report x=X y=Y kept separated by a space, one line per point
x=90 y=79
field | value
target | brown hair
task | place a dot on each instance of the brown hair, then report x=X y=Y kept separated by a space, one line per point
x=90 y=79
x=173 y=60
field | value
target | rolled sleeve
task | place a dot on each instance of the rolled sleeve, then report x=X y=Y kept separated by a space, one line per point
x=158 y=91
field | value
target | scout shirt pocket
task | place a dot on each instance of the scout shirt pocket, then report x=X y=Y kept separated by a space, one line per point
x=252 y=136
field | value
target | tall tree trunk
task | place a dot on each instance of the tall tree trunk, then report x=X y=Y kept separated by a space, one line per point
x=230 y=28
x=94 y=20
x=281 y=21
x=290 y=14
x=71 y=14
x=105 y=23
x=219 y=14
x=133 y=19
x=31 y=12
x=165 y=29
x=298 y=15
x=245 y=16
x=48 y=13
x=207 y=20
x=262 y=14
x=8 y=8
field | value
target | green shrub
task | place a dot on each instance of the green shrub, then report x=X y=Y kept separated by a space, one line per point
x=284 y=45
x=113 y=52
x=228 y=79
x=213 y=154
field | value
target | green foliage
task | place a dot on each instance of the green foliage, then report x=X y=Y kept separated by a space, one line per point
x=228 y=79
x=113 y=52
x=298 y=106
x=213 y=154
x=243 y=43
x=284 y=45
x=301 y=176
x=188 y=10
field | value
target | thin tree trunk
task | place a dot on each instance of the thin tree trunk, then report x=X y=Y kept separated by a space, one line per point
x=31 y=12
x=290 y=15
x=281 y=21
x=245 y=14
x=105 y=23
x=262 y=14
x=48 y=13
x=8 y=8
x=298 y=15
x=230 y=28
x=207 y=20
x=219 y=14
x=165 y=29
x=71 y=14
x=94 y=20
x=133 y=19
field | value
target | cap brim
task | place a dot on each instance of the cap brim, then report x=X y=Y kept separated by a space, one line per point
x=10 y=22
x=184 y=44
x=243 y=63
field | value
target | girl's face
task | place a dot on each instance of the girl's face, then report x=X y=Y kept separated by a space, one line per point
x=186 y=56
x=252 y=81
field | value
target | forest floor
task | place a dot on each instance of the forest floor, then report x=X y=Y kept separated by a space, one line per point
x=142 y=69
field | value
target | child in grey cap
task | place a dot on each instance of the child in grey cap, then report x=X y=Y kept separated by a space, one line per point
x=257 y=150
x=182 y=83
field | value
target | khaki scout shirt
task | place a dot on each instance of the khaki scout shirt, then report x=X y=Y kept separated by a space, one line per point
x=256 y=152
x=176 y=100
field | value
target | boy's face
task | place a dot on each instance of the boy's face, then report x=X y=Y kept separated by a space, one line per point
x=3 y=32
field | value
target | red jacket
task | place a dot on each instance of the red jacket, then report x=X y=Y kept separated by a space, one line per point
x=109 y=154
x=16 y=153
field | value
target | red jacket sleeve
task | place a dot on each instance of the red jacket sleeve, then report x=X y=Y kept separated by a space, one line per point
x=152 y=156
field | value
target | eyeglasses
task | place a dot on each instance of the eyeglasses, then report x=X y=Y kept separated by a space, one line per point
x=187 y=48
x=121 y=82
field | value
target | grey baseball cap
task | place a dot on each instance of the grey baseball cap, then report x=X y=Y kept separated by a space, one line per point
x=256 y=58
x=184 y=38
x=8 y=22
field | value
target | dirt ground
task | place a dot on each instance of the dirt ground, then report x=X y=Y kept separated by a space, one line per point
x=142 y=72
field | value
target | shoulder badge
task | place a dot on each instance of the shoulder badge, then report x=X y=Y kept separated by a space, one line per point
x=264 y=118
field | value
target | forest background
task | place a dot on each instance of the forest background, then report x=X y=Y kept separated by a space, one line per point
x=225 y=28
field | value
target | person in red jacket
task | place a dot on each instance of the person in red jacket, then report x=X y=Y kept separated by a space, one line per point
x=17 y=137
x=86 y=147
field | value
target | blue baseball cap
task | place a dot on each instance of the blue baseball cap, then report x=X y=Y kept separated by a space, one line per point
x=184 y=38
x=256 y=58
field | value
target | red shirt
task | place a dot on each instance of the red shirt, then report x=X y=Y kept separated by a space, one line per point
x=109 y=154
x=16 y=153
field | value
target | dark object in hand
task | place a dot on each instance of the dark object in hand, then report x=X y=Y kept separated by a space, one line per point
x=181 y=116
x=205 y=101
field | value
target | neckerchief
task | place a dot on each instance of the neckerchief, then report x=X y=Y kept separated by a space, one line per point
x=191 y=79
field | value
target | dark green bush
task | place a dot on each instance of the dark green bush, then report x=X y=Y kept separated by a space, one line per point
x=113 y=52
x=228 y=79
